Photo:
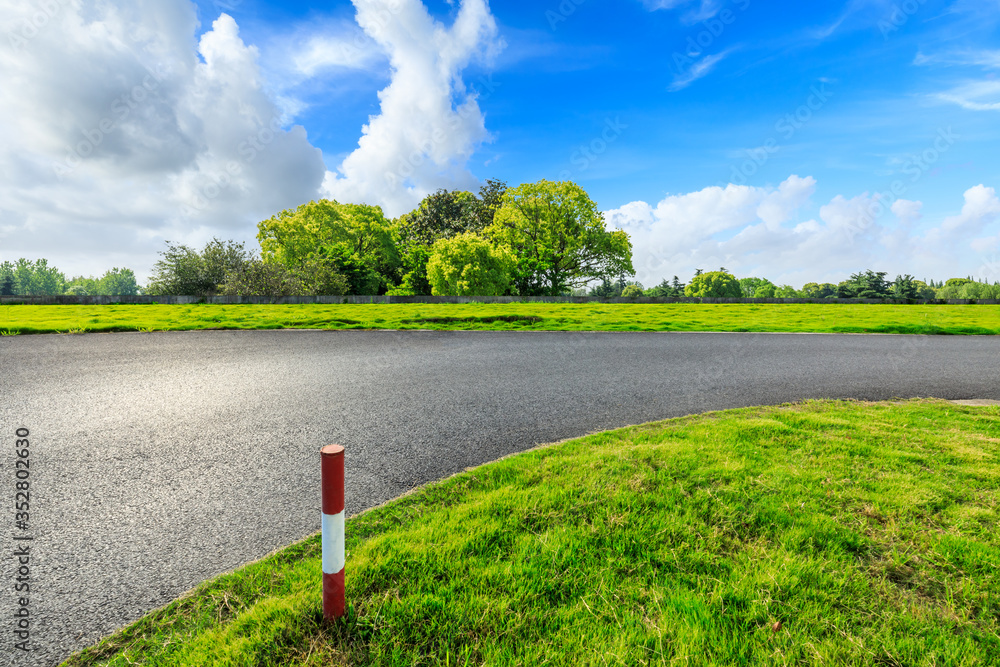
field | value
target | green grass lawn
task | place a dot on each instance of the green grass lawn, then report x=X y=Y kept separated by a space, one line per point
x=828 y=318
x=821 y=533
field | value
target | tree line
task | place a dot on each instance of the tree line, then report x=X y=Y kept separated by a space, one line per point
x=862 y=285
x=537 y=239
x=38 y=278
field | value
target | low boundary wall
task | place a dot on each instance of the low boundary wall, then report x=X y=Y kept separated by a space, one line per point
x=171 y=300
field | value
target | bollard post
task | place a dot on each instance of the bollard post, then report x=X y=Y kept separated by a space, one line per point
x=332 y=471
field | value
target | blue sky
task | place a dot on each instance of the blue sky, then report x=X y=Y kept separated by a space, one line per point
x=792 y=141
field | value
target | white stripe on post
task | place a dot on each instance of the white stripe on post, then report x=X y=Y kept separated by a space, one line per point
x=332 y=469
x=333 y=543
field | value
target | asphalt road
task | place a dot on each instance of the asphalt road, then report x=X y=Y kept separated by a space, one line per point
x=161 y=459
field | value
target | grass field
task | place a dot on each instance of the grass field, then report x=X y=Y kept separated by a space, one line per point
x=821 y=533
x=821 y=318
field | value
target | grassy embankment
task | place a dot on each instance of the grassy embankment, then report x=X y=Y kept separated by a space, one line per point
x=820 y=318
x=827 y=532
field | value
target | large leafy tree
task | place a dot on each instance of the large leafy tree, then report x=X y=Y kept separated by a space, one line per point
x=757 y=288
x=558 y=238
x=468 y=265
x=714 y=284
x=447 y=213
x=357 y=238
x=313 y=277
x=441 y=215
x=182 y=270
x=118 y=282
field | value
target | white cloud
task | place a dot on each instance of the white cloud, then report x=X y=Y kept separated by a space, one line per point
x=975 y=96
x=430 y=124
x=126 y=130
x=323 y=51
x=756 y=231
x=858 y=14
x=981 y=208
x=697 y=70
x=989 y=59
x=706 y=8
x=120 y=136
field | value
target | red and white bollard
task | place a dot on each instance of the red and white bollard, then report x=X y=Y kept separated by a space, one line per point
x=332 y=469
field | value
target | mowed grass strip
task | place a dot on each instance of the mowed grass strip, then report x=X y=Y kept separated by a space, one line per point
x=817 y=318
x=821 y=533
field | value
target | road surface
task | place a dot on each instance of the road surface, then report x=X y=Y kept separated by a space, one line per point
x=159 y=460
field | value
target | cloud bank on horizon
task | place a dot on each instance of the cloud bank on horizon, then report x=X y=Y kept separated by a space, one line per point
x=133 y=125
x=753 y=231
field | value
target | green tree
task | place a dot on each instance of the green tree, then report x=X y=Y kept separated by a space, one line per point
x=8 y=281
x=82 y=286
x=819 y=291
x=559 y=238
x=313 y=277
x=632 y=290
x=905 y=287
x=356 y=237
x=749 y=286
x=787 y=292
x=413 y=260
x=867 y=285
x=608 y=289
x=447 y=213
x=924 y=291
x=714 y=284
x=766 y=290
x=469 y=265
x=182 y=270
x=118 y=282
x=441 y=215
x=37 y=278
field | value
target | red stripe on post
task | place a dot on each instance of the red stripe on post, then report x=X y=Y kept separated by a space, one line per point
x=332 y=471
x=334 y=600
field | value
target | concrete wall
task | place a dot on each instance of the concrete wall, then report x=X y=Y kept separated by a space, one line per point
x=104 y=300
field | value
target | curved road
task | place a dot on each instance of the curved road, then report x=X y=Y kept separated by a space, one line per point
x=161 y=459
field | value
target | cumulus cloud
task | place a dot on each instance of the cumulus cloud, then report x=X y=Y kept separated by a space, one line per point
x=757 y=231
x=429 y=122
x=125 y=132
